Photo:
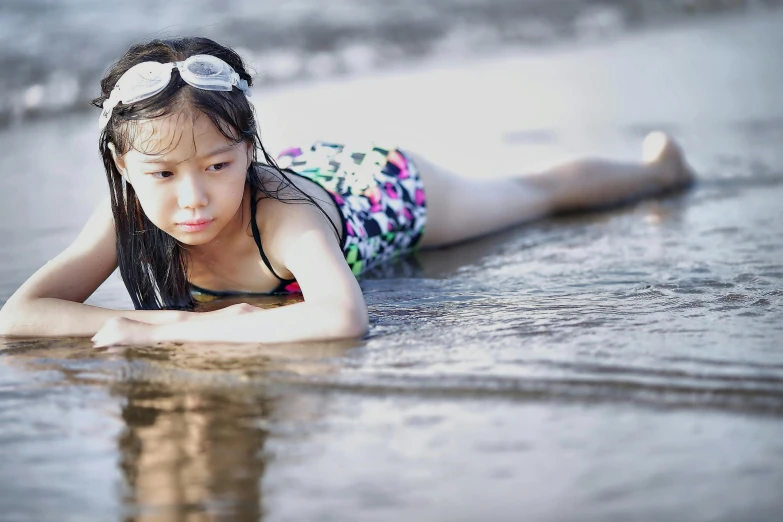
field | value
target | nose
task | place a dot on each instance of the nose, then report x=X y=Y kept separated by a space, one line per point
x=191 y=192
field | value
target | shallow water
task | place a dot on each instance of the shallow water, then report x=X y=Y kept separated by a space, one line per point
x=625 y=364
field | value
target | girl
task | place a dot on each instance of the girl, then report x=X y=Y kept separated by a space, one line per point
x=192 y=210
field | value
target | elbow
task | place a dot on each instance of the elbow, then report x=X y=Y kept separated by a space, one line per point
x=359 y=327
x=12 y=318
x=6 y=322
x=351 y=323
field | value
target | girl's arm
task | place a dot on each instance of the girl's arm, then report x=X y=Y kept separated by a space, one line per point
x=302 y=242
x=49 y=303
x=297 y=322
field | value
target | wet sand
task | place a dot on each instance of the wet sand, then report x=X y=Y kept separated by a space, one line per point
x=625 y=364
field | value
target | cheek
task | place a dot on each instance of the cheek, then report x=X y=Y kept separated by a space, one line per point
x=232 y=189
x=152 y=204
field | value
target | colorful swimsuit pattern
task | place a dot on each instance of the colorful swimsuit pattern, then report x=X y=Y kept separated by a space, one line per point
x=378 y=192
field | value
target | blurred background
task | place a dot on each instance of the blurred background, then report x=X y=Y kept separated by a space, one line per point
x=52 y=52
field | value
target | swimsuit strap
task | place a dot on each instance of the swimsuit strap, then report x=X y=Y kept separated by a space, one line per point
x=257 y=235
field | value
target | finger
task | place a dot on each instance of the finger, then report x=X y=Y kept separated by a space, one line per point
x=116 y=349
x=102 y=341
x=99 y=343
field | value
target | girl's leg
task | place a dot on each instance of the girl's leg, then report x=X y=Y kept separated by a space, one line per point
x=460 y=208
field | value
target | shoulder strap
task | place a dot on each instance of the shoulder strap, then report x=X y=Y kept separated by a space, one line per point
x=257 y=234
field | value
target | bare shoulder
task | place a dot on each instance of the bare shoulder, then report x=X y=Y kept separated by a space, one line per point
x=301 y=243
x=290 y=198
x=281 y=216
x=289 y=186
x=285 y=217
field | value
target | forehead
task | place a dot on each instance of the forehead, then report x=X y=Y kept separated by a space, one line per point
x=182 y=134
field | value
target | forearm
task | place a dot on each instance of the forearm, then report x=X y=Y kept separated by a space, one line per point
x=49 y=317
x=297 y=322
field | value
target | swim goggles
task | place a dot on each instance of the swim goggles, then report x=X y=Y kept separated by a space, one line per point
x=147 y=79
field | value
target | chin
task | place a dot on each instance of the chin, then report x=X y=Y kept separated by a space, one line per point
x=194 y=238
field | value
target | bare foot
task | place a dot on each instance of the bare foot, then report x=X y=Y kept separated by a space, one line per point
x=661 y=149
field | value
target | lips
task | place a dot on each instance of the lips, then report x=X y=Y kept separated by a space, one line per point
x=194 y=225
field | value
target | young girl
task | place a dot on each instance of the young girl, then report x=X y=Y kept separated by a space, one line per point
x=191 y=210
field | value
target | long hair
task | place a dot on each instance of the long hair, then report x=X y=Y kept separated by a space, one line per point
x=153 y=265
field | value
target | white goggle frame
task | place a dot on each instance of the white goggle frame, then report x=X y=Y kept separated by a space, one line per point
x=147 y=79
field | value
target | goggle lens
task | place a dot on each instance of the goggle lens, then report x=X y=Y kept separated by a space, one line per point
x=203 y=69
x=143 y=80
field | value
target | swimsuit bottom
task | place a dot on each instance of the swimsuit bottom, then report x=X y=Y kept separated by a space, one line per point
x=378 y=193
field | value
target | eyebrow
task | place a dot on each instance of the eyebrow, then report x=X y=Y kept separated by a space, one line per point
x=161 y=160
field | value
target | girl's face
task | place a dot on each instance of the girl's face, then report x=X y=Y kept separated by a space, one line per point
x=188 y=177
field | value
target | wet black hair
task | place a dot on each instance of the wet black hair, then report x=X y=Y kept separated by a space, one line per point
x=153 y=265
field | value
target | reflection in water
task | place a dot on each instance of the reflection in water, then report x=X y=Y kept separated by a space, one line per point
x=192 y=455
x=194 y=422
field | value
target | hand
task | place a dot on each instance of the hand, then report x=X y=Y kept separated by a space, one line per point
x=121 y=331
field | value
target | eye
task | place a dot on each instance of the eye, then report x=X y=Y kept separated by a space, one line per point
x=219 y=166
x=164 y=174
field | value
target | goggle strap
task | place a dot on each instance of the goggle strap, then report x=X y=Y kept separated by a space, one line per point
x=108 y=107
x=240 y=83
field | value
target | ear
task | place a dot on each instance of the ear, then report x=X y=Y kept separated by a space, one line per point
x=249 y=154
x=119 y=162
